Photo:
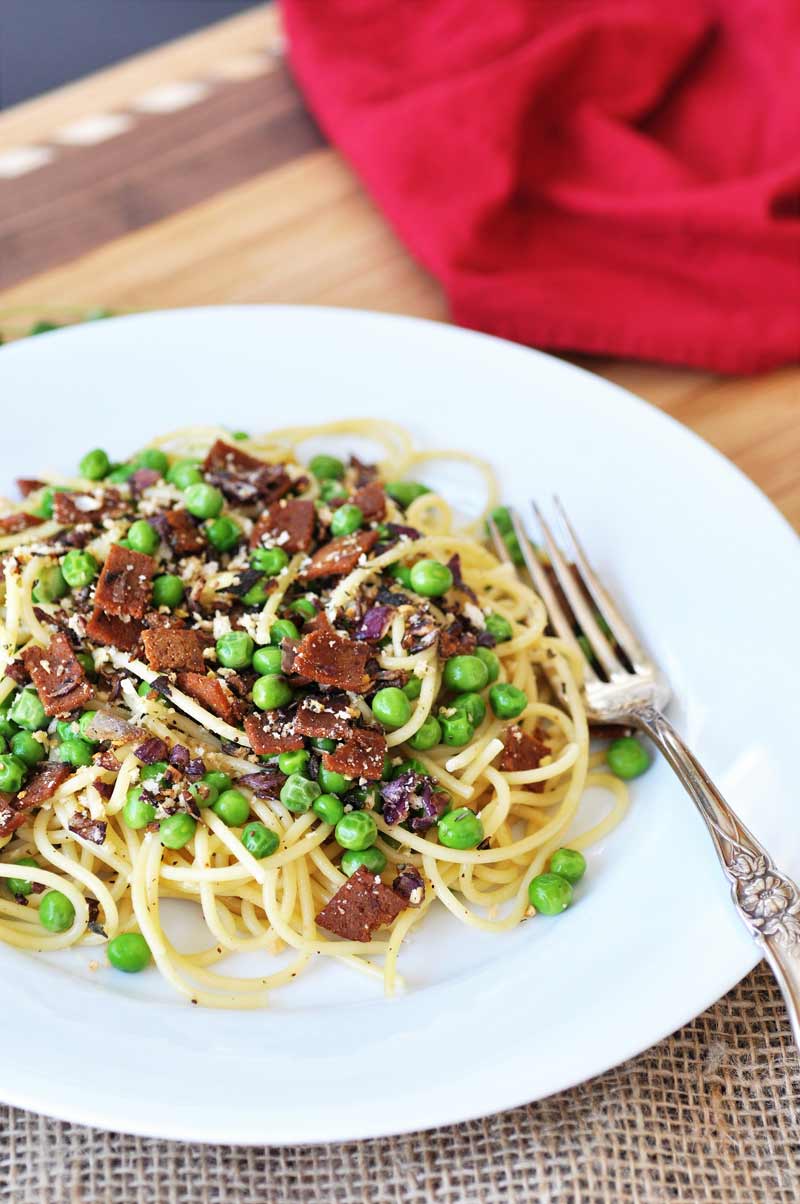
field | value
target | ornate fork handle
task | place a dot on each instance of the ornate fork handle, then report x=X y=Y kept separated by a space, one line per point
x=767 y=901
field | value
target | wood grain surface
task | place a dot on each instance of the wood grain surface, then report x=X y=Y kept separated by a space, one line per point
x=221 y=189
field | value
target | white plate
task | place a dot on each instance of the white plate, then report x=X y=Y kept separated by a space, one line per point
x=488 y=1022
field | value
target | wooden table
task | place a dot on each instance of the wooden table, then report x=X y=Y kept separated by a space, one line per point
x=193 y=175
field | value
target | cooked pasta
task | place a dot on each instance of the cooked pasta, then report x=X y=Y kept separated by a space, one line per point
x=305 y=698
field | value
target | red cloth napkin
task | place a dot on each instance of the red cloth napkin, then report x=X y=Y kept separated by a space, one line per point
x=610 y=176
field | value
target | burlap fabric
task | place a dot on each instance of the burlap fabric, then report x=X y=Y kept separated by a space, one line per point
x=709 y=1116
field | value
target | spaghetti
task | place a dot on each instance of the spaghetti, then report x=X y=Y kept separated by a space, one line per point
x=306 y=701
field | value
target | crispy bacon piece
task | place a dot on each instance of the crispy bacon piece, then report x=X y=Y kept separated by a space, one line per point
x=288 y=523
x=371 y=500
x=361 y=757
x=171 y=648
x=58 y=675
x=364 y=472
x=229 y=458
x=456 y=640
x=114 y=631
x=331 y=659
x=12 y=524
x=245 y=478
x=44 y=781
x=182 y=533
x=328 y=718
x=212 y=693
x=361 y=906
x=107 y=760
x=28 y=485
x=271 y=732
x=125 y=584
x=17 y=672
x=523 y=750
x=341 y=555
x=87 y=828
x=69 y=508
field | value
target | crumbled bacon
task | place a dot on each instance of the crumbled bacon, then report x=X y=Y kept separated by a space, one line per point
x=456 y=640
x=410 y=884
x=360 y=757
x=331 y=659
x=244 y=478
x=360 y=906
x=523 y=750
x=266 y=783
x=71 y=508
x=107 y=760
x=44 y=781
x=180 y=531
x=83 y=825
x=341 y=555
x=12 y=524
x=212 y=693
x=327 y=718
x=286 y=524
x=125 y=584
x=271 y=732
x=421 y=631
x=58 y=675
x=371 y=500
x=28 y=485
x=364 y=472
x=169 y=648
x=151 y=751
x=114 y=631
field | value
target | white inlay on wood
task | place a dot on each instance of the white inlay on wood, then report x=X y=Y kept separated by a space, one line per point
x=92 y=130
x=21 y=159
x=168 y=98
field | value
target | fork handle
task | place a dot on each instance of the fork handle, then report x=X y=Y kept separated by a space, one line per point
x=767 y=900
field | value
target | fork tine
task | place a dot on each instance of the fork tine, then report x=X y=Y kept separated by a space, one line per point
x=623 y=633
x=580 y=608
x=558 y=619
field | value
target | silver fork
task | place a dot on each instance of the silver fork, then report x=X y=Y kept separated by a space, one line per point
x=630 y=689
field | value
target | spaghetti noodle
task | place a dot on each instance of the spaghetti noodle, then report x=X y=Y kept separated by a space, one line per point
x=306 y=701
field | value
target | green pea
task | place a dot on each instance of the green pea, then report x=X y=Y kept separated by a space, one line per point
x=502 y=519
x=177 y=830
x=569 y=864
x=428 y=736
x=120 y=473
x=75 y=752
x=204 y=793
x=223 y=533
x=431 y=578
x=42 y=327
x=391 y=707
x=86 y=661
x=142 y=537
x=221 y=781
x=326 y=468
x=473 y=707
x=232 y=808
x=155 y=772
x=333 y=782
x=235 y=649
x=27 y=748
x=627 y=758
x=499 y=627
x=66 y=729
x=514 y=550
x=283 y=629
x=56 y=912
x=346 y=519
x=413 y=688
x=95 y=465
x=465 y=674
x=405 y=492
x=257 y=594
x=267 y=661
x=298 y=793
x=240 y=436
x=456 y=729
x=259 y=840
x=137 y=812
x=460 y=829
x=550 y=894
x=507 y=701
x=152 y=457
x=372 y=859
x=409 y=766
x=79 y=568
x=356 y=830
x=84 y=723
x=271 y=692
x=293 y=762
x=27 y=711
x=128 y=952
x=329 y=808
x=44 y=507
x=401 y=573
x=203 y=501
x=22 y=886
x=330 y=491
x=269 y=561
x=184 y=473
x=144 y=688
x=323 y=744
x=7 y=727
x=304 y=608
x=490 y=661
x=50 y=585
x=168 y=590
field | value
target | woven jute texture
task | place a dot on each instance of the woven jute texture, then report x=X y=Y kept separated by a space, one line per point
x=709 y=1116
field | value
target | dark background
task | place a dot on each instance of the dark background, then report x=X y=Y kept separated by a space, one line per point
x=44 y=43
